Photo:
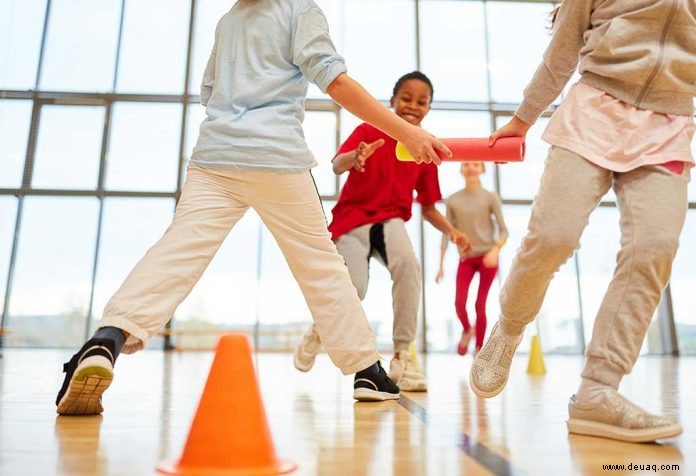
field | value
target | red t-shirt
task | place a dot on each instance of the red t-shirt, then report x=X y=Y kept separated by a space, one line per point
x=385 y=189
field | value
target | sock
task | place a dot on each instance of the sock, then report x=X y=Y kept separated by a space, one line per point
x=113 y=333
x=590 y=391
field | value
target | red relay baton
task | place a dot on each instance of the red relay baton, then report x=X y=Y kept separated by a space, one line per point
x=505 y=149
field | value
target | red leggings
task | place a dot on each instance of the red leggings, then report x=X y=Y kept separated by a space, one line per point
x=465 y=274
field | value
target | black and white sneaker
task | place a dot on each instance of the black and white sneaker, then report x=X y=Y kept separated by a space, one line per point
x=373 y=385
x=88 y=374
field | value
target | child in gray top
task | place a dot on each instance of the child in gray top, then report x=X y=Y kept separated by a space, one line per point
x=472 y=211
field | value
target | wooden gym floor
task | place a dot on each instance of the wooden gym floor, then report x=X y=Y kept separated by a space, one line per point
x=315 y=422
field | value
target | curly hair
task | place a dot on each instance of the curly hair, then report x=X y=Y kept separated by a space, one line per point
x=413 y=75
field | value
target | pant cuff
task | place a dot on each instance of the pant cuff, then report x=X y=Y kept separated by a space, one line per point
x=603 y=371
x=399 y=346
x=362 y=364
x=137 y=340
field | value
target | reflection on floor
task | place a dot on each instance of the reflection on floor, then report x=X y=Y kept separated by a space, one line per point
x=315 y=422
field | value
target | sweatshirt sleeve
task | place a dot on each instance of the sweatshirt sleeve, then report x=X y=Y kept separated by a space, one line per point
x=313 y=51
x=560 y=59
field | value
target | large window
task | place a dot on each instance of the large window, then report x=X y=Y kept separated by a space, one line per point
x=99 y=114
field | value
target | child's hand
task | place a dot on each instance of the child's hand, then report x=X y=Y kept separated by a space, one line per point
x=363 y=152
x=423 y=145
x=440 y=274
x=490 y=259
x=461 y=240
x=515 y=128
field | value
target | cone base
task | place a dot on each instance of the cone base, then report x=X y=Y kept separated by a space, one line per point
x=536 y=371
x=173 y=467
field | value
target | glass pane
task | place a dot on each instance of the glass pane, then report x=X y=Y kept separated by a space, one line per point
x=517 y=38
x=130 y=226
x=599 y=247
x=320 y=133
x=459 y=124
x=521 y=180
x=8 y=215
x=21 y=28
x=52 y=281
x=81 y=43
x=457 y=74
x=228 y=295
x=208 y=13
x=683 y=284
x=380 y=36
x=144 y=147
x=15 y=120
x=153 y=53
x=68 y=147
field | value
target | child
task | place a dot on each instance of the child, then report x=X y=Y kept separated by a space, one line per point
x=369 y=217
x=471 y=211
x=626 y=124
x=251 y=153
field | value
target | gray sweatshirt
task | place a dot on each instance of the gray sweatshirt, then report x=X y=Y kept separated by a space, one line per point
x=472 y=213
x=642 y=52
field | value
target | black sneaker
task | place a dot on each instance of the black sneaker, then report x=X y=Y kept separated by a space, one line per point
x=373 y=385
x=87 y=375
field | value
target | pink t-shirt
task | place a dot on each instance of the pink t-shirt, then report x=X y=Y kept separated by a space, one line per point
x=617 y=136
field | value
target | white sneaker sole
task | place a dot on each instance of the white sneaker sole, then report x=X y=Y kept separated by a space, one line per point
x=83 y=396
x=367 y=395
x=603 y=430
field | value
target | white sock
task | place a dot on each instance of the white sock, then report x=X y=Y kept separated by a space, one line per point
x=591 y=391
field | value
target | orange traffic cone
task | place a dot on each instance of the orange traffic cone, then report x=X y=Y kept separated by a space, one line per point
x=229 y=434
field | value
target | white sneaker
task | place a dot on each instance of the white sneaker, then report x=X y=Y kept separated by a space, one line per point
x=307 y=351
x=491 y=367
x=403 y=371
